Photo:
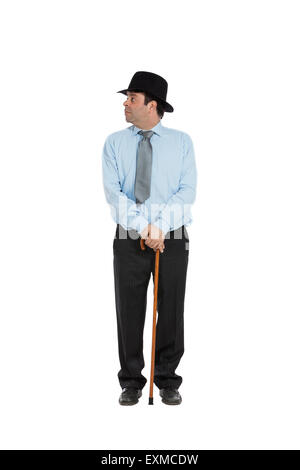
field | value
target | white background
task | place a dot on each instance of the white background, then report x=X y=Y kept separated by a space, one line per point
x=233 y=74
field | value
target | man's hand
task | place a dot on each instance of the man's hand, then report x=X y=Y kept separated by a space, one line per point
x=155 y=239
x=145 y=232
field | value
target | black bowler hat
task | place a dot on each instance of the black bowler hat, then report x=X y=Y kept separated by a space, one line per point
x=151 y=83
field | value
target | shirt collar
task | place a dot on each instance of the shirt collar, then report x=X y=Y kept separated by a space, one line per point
x=157 y=129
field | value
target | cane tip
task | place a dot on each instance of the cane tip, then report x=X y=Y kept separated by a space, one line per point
x=150 y=401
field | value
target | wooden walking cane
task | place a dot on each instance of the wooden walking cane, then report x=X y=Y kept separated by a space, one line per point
x=154 y=320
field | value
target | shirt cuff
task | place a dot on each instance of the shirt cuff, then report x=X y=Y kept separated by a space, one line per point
x=139 y=223
x=163 y=225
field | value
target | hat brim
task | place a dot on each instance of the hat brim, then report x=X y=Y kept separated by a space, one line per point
x=167 y=107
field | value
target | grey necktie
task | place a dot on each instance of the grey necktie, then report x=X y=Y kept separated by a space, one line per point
x=143 y=168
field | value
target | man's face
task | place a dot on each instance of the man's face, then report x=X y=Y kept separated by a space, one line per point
x=135 y=109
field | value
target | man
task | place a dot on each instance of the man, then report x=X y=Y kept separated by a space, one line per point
x=149 y=177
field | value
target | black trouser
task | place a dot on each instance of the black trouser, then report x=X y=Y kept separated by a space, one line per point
x=132 y=271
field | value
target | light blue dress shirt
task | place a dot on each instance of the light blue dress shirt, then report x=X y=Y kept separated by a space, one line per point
x=173 y=179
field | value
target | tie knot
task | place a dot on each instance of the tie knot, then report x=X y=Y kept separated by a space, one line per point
x=146 y=134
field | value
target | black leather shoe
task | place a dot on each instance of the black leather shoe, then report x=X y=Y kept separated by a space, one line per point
x=170 y=396
x=130 y=396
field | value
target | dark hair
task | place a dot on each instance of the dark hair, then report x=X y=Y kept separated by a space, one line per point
x=159 y=108
x=148 y=97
